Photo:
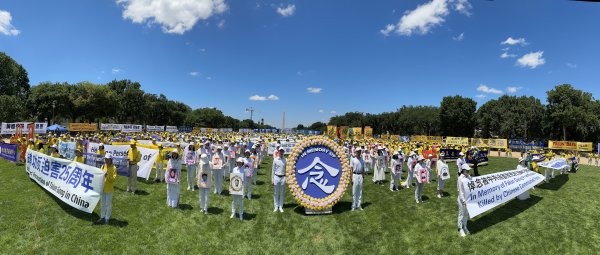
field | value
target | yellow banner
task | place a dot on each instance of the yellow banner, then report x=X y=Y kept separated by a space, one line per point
x=209 y=130
x=357 y=132
x=368 y=132
x=435 y=139
x=344 y=132
x=498 y=143
x=584 y=146
x=479 y=142
x=332 y=132
x=562 y=145
x=83 y=127
x=196 y=130
x=418 y=138
x=394 y=138
x=462 y=141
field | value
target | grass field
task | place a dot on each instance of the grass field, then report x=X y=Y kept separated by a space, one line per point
x=560 y=217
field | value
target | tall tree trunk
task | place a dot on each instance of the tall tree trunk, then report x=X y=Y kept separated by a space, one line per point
x=564 y=132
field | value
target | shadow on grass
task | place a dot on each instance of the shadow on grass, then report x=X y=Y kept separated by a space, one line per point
x=555 y=183
x=424 y=198
x=185 y=207
x=249 y=216
x=504 y=212
x=340 y=207
x=254 y=196
x=258 y=183
x=215 y=210
x=141 y=193
x=113 y=223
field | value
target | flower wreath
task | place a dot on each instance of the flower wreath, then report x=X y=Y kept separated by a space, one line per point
x=318 y=204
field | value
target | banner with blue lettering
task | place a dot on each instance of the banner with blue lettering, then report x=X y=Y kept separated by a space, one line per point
x=481 y=157
x=8 y=151
x=67 y=149
x=76 y=184
x=521 y=145
x=96 y=160
x=120 y=152
x=450 y=154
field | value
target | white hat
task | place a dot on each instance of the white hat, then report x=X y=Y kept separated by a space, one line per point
x=240 y=160
x=101 y=145
x=247 y=151
x=108 y=155
x=412 y=153
x=430 y=156
x=53 y=146
x=192 y=143
x=465 y=167
x=358 y=149
x=395 y=153
x=521 y=160
x=420 y=158
x=461 y=154
x=379 y=147
x=219 y=148
x=442 y=154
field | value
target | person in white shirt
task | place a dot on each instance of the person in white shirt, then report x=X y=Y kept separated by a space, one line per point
x=430 y=163
x=396 y=173
x=249 y=170
x=173 y=180
x=463 y=214
x=204 y=177
x=460 y=162
x=190 y=165
x=278 y=180
x=379 y=174
x=237 y=200
x=443 y=174
x=357 y=164
x=523 y=167
x=217 y=166
x=366 y=156
x=411 y=162
x=421 y=173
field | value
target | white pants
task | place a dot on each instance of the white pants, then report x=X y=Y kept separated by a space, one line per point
x=419 y=191
x=409 y=178
x=226 y=171
x=204 y=198
x=254 y=174
x=160 y=172
x=248 y=187
x=395 y=180
x=440 y=184
x=191 y=177
x=218 y=180
x=173 y=195
x=463 y=216
x=278 y=192
x=132 y=179
x=239 y=200
x=105 y=205
x=357 y=187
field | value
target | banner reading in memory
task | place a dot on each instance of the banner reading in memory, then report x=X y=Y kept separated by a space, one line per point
x=76 y=184
x=120 y=151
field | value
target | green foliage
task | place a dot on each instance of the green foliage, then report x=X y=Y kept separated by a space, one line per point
x=12 y=109
x=457 y=116
x=13 y=78
x=572 y=113
x=511 y=116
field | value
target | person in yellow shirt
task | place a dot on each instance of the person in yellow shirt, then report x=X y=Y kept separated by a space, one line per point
x=160 y=163
x=79 y=156
x=40 y=148
x=110 y=174
x=54 y=151
x=31 y=145
x=134 y=157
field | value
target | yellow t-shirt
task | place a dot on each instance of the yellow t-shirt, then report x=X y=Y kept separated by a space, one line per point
x=79 y=159
x=134 y=156
x=109 y=178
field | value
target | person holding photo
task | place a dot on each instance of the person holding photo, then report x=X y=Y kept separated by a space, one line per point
x=238 y=200
x=173 y=179
x=204 y=182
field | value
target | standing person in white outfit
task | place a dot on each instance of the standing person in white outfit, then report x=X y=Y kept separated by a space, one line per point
x=463 y=214
x=173 y=179
x=217 y=170
x=443 y=174
x=430 y=165
x=204 y=177
x=523 y=167
x=238 y=200
x=421 y=173
x=410 y=162
x=357 y=164
x=248 y=171
x=190 y=165
x=396 y=173
x=278 y=180
x=366 y=156
x=460 y=161
x=379 y=174
x=226 y=162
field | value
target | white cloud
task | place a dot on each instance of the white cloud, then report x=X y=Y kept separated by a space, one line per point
x=532 y=60
x=459 y=37
x=321 y=111
x=513 y=89
x=287 y=11
x=486 y=89
x=264 y=98
x=314 y=90
x=512 y=41
x=481 y=96
x=428 y=15
x=6 y=27
x=389 y=28
x=221 y=24
x=571 y=65
x=194 y=73
x=507 y=55
x=174 y=16
x=116 y=70
x=333 y=112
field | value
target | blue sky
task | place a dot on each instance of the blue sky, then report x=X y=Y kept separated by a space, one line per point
x=368 y=56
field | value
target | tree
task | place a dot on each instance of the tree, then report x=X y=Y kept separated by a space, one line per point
x=457 y=116
x=574 y=110
x=13 y=78
x=92 y=102
x=50 y=99
x=12 y=109
x=511 y=116
x=320 y=126
x=131 y=103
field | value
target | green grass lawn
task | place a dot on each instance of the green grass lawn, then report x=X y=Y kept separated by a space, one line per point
x=561 y=217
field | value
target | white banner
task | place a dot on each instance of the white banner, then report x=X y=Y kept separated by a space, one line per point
x=76 y=184
x=155 y=128
x=110 y=127
x=67 y=149
x=172 y=129
x=488 y=191
x=120 y=151
x=11 y=128
x=131 y=128
x=557 y=164
x=288 y=146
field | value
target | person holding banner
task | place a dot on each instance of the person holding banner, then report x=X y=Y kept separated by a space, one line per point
x=40 y=148
x=110 y=175
x=134 y=156
x=101 y=151
x=443 y=174
x=173 y=179
x=463 y=214
x=79 y=156
x=421 y=172
x=190 y=166
x=238 y=199
x=357 y=164
x=278 y=180
x=54 y=151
